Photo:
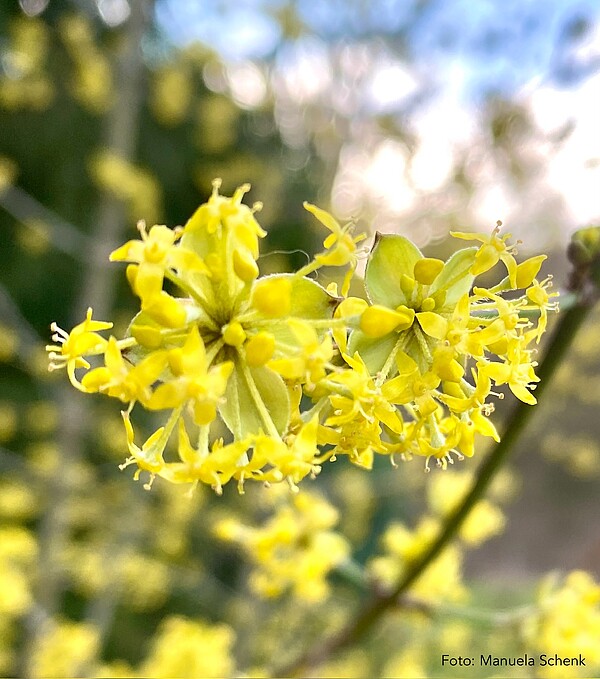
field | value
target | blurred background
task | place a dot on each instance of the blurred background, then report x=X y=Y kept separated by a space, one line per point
x=410 y=116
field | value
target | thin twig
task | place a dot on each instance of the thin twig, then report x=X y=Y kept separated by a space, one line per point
x=63 y=235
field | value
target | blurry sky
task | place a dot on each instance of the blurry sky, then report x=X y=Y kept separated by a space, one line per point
x=437 y=62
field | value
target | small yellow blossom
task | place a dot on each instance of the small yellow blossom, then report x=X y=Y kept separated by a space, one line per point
x=540 y=298
x=120 y=380
x=193 y=383
x=492 y=250
x=310 y=364
x=150 y=456
x=340 y=245
x=155 y=254
x=82 y=340
x=517 y=371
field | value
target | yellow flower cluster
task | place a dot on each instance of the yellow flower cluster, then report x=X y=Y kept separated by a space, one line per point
x=190 y=648
x=24 y=84
x=297 y=374
x=434 y=344
x=65 y=649
x=130 y=183
x=172 y=90
x=18 y=551
x=567 y=623
x=294 y=549
x=92 y=83
x=442 y=580
x=485 y=520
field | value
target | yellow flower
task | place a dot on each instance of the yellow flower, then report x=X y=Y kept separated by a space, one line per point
x=119 y=379
x=492 y=250
x=214 y=467
x=540 y=298
x=82 y=340
x=358 y=438
x=192 y=381
x=340 y=245
x=358 y=395
x=517 y=371
x=150 y=456
x=410 y=385
x=298 y=456
x=154 y=254
x=310 y=363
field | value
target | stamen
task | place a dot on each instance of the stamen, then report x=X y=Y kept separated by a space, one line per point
x=148 y=486
x=59 y=332
x=217 y=487
x=128 y=461
x=487 y=409
x=239 y=193
x=240 y=484
x=293 y=487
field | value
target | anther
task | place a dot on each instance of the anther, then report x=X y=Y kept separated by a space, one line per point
x=148 y=486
